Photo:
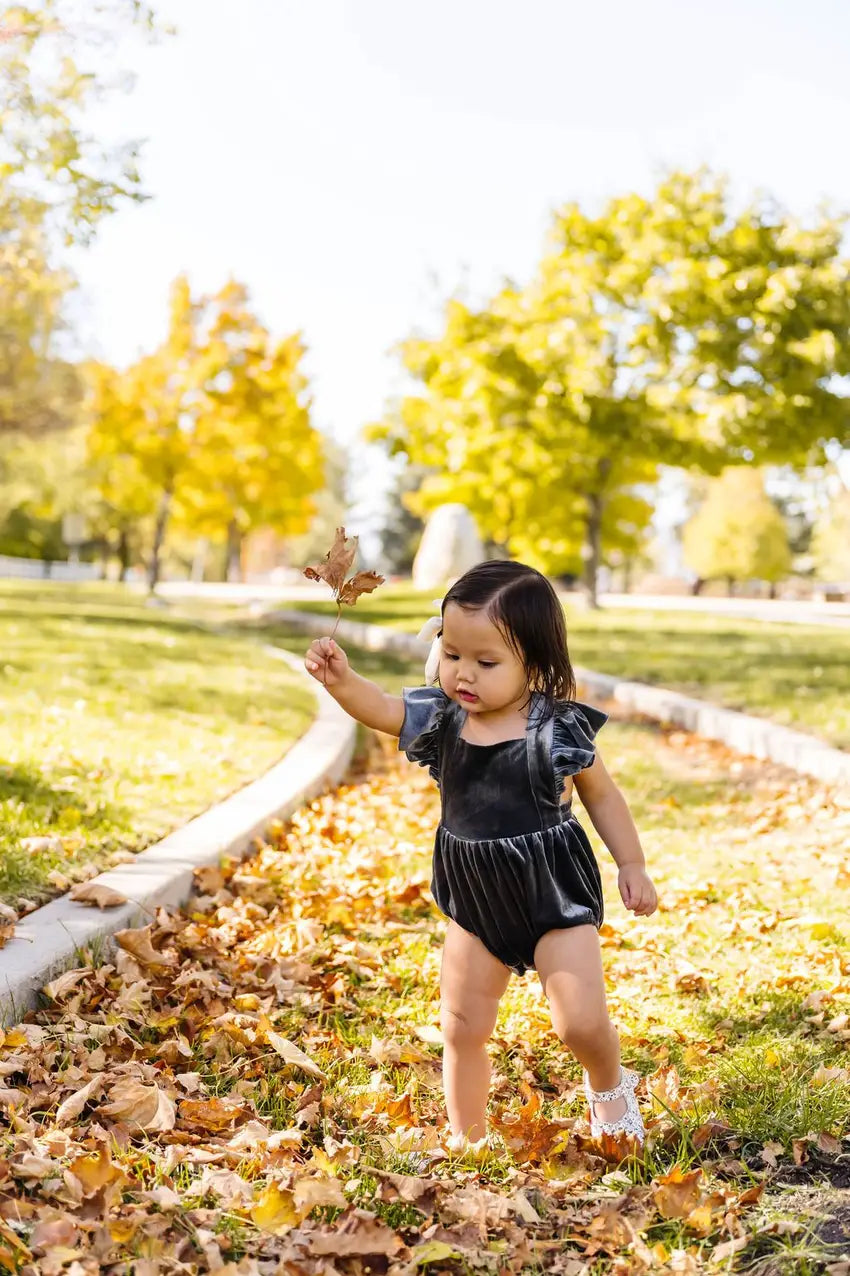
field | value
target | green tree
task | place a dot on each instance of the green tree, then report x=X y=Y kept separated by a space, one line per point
x=831 y=540
x=38 y=486
x=57 y=183
x=38 y=389
x=737 y=533
x=54 y=62
x=664 y=330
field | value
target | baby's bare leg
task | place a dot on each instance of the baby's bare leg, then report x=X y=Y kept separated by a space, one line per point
x=472 y=981
x=569 y=963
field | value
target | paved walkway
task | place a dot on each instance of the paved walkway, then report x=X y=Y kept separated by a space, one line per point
x=786 y=610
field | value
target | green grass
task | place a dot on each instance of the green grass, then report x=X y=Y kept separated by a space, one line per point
x=730 y=1001
x=120 y=722
x=709 y=995
x=753 y=917
x=797 y=675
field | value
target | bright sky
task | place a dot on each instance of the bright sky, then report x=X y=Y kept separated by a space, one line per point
x=355 y=161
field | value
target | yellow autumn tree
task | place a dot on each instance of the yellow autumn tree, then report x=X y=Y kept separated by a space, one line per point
x=213 y=428
x=737 y=533
x=257 y=461
x=831 y=540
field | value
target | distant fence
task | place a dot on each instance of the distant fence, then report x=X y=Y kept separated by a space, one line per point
x=47 y=569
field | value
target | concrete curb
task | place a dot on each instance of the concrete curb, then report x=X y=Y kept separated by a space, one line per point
x=757 y=737
x=46 y=940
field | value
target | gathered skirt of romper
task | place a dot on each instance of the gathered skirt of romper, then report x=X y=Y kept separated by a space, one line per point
x=511 y=861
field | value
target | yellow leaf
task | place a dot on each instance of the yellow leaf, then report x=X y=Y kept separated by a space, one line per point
x=433 y=1252
x=13 y=1039
x=122 y=1230
x=274 y=1211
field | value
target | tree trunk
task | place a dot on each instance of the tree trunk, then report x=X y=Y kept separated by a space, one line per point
x=123 y=554
x=697 y=586
x=593 y=549
x=730 y=586
x=234 y=552
x=199 y=559
x=158 y=538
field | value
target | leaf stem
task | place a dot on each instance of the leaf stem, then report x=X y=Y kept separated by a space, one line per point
x=333 y=631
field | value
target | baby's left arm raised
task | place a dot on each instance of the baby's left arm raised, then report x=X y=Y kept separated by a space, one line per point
x=613 y=821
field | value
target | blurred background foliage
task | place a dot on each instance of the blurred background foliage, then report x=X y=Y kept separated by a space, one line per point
x=674 y=332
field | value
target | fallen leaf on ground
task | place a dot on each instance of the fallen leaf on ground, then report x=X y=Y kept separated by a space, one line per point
x=92 y=893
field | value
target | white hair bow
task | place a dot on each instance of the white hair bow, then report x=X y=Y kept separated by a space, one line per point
x=431 y=630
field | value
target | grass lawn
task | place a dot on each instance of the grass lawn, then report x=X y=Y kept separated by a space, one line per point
x=120 y=722
x=798 y=675
x=733 y=1001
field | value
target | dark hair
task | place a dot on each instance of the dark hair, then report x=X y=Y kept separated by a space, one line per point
x=524 y=608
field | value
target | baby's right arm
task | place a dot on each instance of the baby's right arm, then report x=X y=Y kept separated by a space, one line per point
x=364 y=700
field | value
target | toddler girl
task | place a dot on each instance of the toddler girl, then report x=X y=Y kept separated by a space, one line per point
x=513 y=869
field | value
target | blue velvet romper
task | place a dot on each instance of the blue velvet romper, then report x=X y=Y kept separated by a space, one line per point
x=511 y=861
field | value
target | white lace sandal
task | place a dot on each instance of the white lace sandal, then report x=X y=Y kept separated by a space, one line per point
x=631 y=1121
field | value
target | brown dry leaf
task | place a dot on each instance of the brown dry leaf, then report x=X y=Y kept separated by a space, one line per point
x=770 y=1152
x=97 y=1171
x=92 y=893
x=822 y=1075
x=74 y=1104
x=212 y=1115
x=7 y=932
x=53 y=1233
x=145 y=1105
x=332 y=571
x=800 y=1148
x=29 y=1166
x=700 y=1220
x=228 y=1185
x=309 y=1192
x=829 y=1143
x=357 y=1232
x=360 y=583
x=138 y=944
x=65 y=983
x=676 y=1194
x=291 y=1053
x=728 y=1248
x=337 y=561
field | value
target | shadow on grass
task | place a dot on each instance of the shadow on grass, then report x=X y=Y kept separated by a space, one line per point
x=30 y=806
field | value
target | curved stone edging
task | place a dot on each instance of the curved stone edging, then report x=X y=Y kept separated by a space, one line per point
x=46 y=940
x=757 y=737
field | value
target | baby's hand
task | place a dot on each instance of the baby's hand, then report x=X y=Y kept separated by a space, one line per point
x=326 y=661
x=636 y=890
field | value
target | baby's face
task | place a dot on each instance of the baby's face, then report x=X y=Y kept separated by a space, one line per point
x=477 y=667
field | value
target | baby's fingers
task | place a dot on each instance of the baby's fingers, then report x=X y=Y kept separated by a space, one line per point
x=647 y=902
x=315 y=657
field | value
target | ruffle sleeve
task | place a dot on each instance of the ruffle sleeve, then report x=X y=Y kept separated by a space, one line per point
x=573 y=733
x=422 y=728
